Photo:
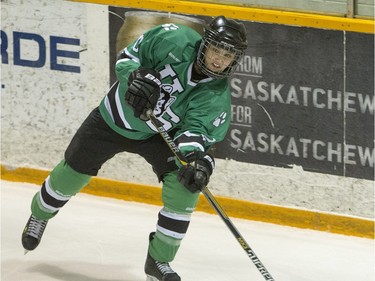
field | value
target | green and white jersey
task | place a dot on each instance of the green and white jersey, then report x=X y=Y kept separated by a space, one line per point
x=200 y=111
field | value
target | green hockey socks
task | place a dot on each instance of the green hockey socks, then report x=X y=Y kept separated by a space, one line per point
x=62 y=183
x=173 y=220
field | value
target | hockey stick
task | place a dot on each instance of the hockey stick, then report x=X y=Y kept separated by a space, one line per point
x=211 y=199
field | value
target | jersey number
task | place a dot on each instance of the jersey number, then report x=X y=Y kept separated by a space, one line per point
x=170 y=26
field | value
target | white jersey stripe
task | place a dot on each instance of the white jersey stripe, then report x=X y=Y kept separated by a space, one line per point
x=119 y=109
x=108 y=107
x=195 y=144
x=122 y=60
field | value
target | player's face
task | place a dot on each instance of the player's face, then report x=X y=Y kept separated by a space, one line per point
x=218 y=59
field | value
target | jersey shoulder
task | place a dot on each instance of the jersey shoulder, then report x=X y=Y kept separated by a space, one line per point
x=212 y=96
x=218 y=87
x=176 y=33
x=172 y=36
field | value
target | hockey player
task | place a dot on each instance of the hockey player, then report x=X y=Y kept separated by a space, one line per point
x=182 y=77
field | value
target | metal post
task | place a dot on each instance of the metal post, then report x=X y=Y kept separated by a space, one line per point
x=350 y=7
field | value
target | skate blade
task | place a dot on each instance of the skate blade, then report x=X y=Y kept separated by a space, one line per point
x=151 y=278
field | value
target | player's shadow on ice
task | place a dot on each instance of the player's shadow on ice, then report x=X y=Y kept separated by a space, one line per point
x=71 y=272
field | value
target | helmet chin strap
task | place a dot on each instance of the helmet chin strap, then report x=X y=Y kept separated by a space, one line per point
x=197 y=74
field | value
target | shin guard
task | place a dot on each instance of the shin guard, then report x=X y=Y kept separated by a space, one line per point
x=57 y=189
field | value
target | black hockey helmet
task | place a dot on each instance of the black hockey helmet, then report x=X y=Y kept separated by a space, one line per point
x=226 y=34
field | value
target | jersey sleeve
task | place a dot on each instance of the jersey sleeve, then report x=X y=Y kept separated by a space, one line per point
x=152 y=49
x=206 y=121
x=147 y=51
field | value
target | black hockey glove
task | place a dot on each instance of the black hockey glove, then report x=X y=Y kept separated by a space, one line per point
x=143 y=91
x=196 y=175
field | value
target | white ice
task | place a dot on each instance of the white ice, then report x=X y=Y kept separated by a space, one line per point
x=101 y=239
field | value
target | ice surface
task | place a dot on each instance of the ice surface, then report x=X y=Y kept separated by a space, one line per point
x=101 y=239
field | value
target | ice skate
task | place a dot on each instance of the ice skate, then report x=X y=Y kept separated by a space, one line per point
x=32 y=233
x=159 y=271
